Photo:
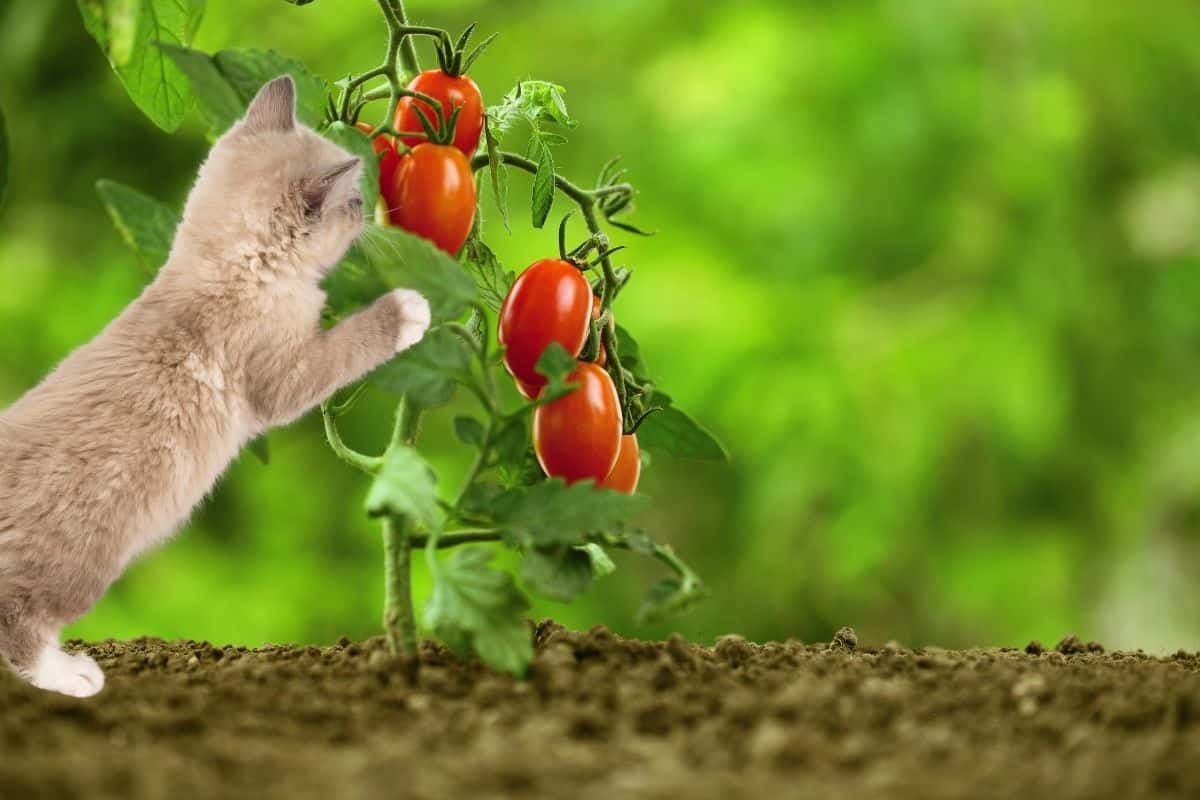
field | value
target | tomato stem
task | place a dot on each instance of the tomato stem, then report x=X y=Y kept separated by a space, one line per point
x=360 y=461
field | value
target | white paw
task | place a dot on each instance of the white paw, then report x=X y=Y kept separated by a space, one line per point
x=414 y=317
x=73 y=675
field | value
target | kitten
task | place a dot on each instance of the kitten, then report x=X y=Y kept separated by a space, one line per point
x=109 y=455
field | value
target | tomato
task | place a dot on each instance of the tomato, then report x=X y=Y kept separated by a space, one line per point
x=625 y=473
x=578 y=436
x=432 y=194
x=452 y=92
x=551 y=301
x=385 y=148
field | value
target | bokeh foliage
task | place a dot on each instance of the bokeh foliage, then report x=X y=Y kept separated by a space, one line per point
x=928 y=268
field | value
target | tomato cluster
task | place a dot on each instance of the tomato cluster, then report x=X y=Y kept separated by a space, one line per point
x=427 y=184
x=577 y=436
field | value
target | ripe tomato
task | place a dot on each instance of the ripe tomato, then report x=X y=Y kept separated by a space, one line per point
x=550 y=302
x=389 y=159
x=432 y=194
x=625 y=473
x=452 y=92
x=578 y=436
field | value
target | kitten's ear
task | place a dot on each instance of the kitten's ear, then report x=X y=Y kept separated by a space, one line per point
x=319 y=186
x=273 y=108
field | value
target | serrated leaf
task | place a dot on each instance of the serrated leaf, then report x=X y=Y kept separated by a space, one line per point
x=389 y=258
x=219 y=104
x=533 y=101
x=248 y=70
x=469 y=431
x=405 y=487
x=551 y=513
x=491 y=279
x=560 y=573
x=359 y=144
x=542 y=199
x=673 y=432
x=426 y=372
x=497 y=170
x=601 y=564
x=261 y=449
x=555 y=364
x=479 y=609
x=131 y=45
x=146 y=225
x=4 y=158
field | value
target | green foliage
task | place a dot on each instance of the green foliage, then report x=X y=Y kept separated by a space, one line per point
x=673 y=432
x=405 y=487
x=490 y=276
x=428 y=371
x=225 y=83
x=560 y=573
x=539 y=104
x=553 y=513
x=130 y=34
x=145 y=224
x=478 y=609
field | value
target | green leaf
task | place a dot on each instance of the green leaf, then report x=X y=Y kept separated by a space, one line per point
x=475 y=608
x=533 y=101
x=4 y=156
x=668 y=598
x=602 y=565
x=389 y=258
x=359 y=144
x=560 y=573
x=145 y=224
x=543 y=183
x=673 y=432
x=130 y=35
x=219 y=104
x=428 y=371
x=555 y=364
x=550 y=512
x=261 y=449
x=499 y=173
x=469 y=431
x=491 y=280
x=406 y=487
x=631 y=355
x=248 y=70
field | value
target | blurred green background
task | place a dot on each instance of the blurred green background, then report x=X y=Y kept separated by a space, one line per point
x=930 y=269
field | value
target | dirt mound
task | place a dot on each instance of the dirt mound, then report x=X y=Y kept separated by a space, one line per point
x=606 y=717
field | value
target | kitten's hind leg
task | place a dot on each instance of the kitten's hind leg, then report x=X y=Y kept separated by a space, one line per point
x=33 y=652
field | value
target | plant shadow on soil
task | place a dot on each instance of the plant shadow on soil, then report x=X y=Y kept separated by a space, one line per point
x=607 y=717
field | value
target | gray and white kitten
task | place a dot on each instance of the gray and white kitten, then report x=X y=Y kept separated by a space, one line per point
x=111 y=452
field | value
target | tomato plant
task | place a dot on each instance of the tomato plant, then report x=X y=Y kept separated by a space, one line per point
x=553 y=477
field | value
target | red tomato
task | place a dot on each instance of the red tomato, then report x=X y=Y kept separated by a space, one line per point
x=578 y=436
x=550 y=302
x=451 y=92
x=389 y=159
x=627 y=470
x=433 y=195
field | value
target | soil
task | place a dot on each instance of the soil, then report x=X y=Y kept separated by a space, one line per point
x=606 y=717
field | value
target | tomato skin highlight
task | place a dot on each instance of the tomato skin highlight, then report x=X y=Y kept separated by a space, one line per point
x=578 y=436
x=625 y=473
x=389 y=159
x=550 y=301
x=451 y=92
x=432 y=194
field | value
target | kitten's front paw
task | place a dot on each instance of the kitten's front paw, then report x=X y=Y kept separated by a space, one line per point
x=74 y=675
x=414 y=317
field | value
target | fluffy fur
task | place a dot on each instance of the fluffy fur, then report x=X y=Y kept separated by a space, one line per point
x=111 y=452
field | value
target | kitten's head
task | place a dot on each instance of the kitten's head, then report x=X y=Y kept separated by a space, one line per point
x=274 y=191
